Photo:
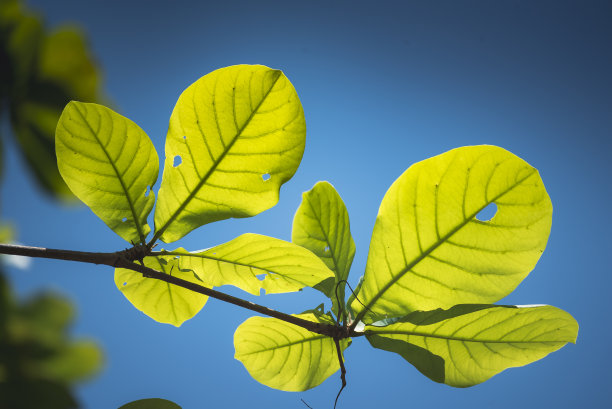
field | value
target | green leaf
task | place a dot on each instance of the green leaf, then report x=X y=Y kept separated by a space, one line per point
x=252 y=262
x=429 y=250
x=6 y=232
x=76 y=362
x=239 y=134
x=153 y=403
x=159 y=300
x=321 y=224
x=34 y=126
x=65 y=60
x=284 y=356
x=468 y=344
x=40 y=72
x=109 y=163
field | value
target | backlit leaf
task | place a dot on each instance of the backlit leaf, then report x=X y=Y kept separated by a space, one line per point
x=284 y=356
x=253 y=262
x=235 y=136
x=429 y=249
x=321 y=224
x=109 y=163
x=159 y=300
x=468 y=344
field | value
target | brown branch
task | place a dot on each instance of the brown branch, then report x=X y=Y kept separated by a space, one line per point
x=342 y=370
x=125 y=259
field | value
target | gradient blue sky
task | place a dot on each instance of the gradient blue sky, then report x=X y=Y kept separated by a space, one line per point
x=383 y=85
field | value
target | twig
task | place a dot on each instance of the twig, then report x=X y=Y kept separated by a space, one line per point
x=342 y=370
x=304 y=402
x=121 y=259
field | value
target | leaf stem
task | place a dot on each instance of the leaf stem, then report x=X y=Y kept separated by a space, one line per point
x=125 y=259
x=342 y=369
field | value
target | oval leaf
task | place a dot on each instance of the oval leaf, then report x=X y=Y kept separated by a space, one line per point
x=153 y=403
x=284 y=356
x=429 y=250
x=321 y=224
x=235 y=136
x=468 y=344
x=253 y=262
x=109 y=163
x=164 y=302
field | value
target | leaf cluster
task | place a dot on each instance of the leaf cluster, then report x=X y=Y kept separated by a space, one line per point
x=434 y=268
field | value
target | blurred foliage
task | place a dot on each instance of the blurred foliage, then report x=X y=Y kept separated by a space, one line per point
x=39 y=363
x=40 y=72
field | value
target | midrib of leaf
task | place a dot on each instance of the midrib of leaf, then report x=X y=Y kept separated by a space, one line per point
x=455 y=338
x=331 y=248
x=341 y=305
x=237 y=263
x=173 y=307
x=287 y=345
x=119 y=176
x=203 y=181
x=434 y=246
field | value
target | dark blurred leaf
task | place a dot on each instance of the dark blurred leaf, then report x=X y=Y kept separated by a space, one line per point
x=36 y=394
x=153 y=403
x=65 y=60
x=40 y=72
x=38 y=361
x=76 y=362
x=34 y=128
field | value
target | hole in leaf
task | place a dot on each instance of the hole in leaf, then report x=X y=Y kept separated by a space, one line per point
x=124 y=219
x=261 y=277
x=265 y=176
x=326 y=249
x=177 y=161
x=125 y=283
x=487 y=213
x=148 y=191
x=184 y=136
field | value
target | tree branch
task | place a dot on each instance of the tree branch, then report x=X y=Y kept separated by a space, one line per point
x=121 y=259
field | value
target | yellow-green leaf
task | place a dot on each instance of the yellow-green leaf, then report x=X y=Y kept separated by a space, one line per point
x=109 y=163
x=429 y=250
x=284 y=356
x=159 y=300
x=235 y=136
x=321 y=224
x=253 y=262
x=468 y=344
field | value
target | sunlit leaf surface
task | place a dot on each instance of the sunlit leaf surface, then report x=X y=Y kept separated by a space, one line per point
x=468 y=344
x=430 y=250
x=253 y=262
x=159 y=300
x=110 y=164
x=284 y=356
x=321 y=224
x=235 y=136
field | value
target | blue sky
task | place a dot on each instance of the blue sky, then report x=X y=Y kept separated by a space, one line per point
x=383 y=85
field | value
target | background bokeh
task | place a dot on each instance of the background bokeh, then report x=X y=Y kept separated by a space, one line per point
x=383 y=85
